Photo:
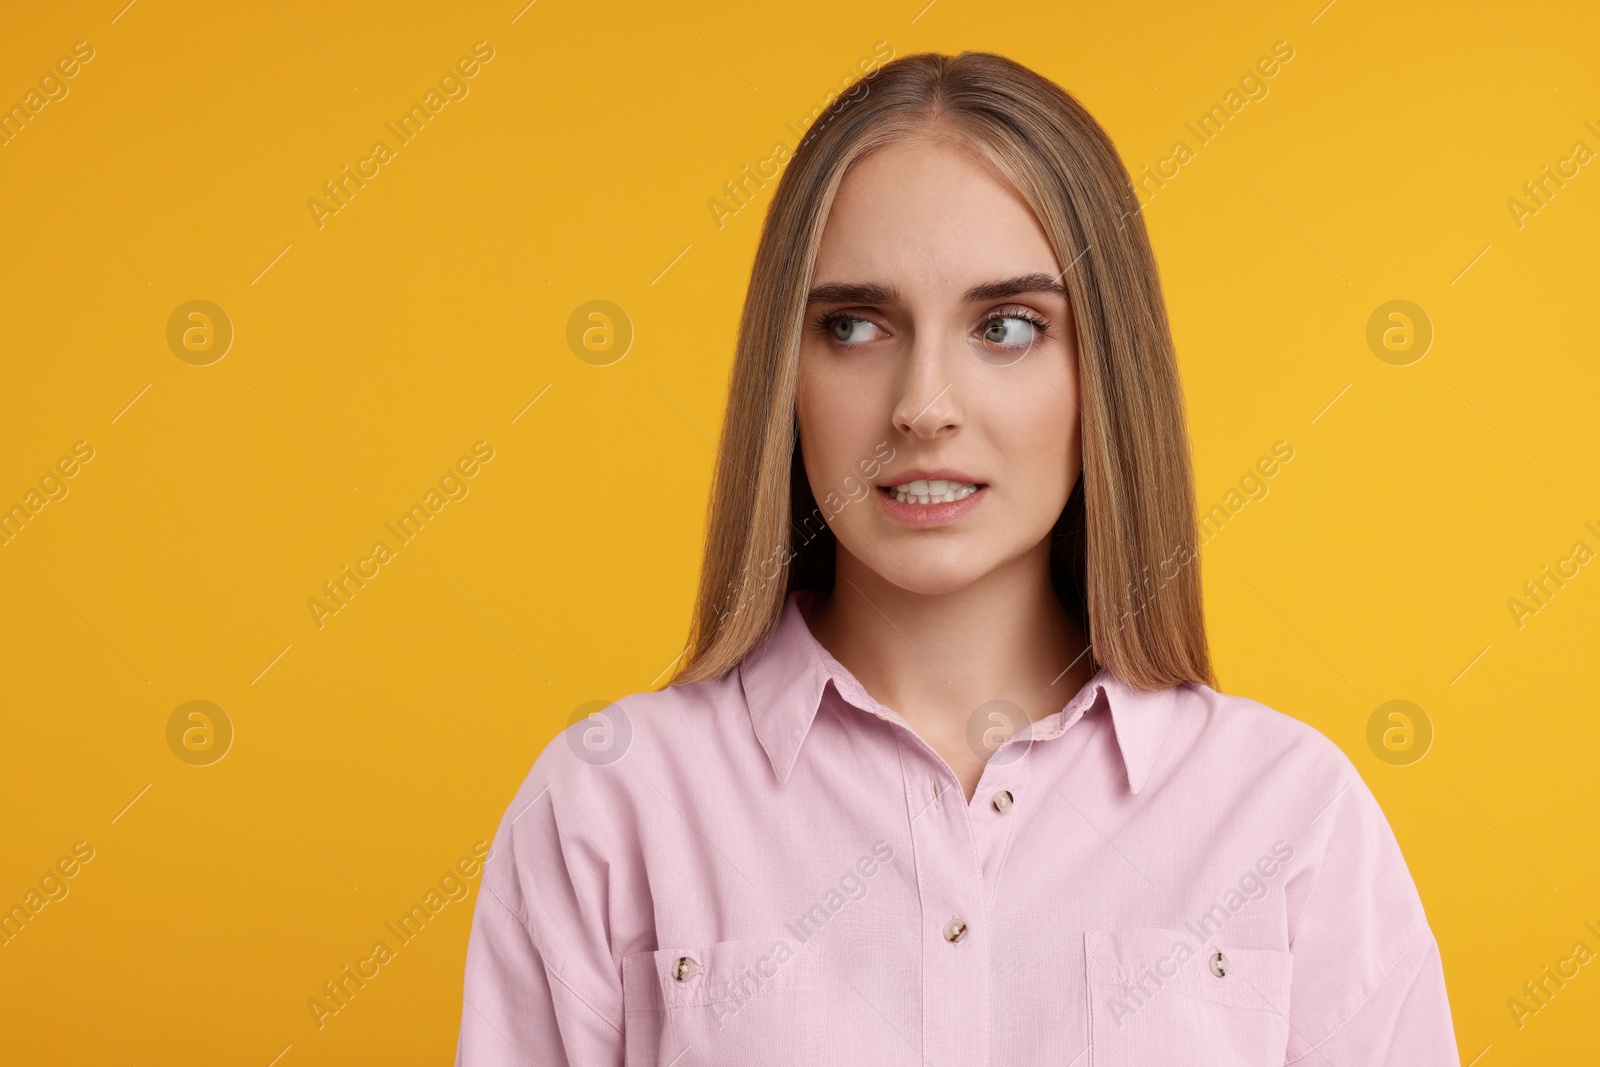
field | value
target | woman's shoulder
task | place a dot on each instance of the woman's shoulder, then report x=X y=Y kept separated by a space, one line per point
x=594 y=783
x=1253 y=737
x=1258 y=767
x=653 y=724
x=612 y=747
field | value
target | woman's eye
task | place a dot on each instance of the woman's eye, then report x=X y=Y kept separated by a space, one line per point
x=849 y=330
x=1012 y=331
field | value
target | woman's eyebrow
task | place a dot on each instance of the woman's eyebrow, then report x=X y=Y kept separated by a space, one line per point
x=1038 y=282
x=853 y=293
x=874 y=293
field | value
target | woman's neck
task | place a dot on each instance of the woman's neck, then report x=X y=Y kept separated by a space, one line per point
x=936 y=658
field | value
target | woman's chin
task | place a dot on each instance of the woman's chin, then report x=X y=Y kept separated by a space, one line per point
x=927 y=576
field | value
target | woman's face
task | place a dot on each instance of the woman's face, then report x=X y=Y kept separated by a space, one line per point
x=938 y=327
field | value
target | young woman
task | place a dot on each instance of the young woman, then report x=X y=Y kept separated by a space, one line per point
x=944 y=778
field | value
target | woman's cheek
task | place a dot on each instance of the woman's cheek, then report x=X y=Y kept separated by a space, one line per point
x=1039 y=461
x=841 y=431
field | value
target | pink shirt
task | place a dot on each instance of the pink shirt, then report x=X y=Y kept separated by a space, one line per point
x=773 y=868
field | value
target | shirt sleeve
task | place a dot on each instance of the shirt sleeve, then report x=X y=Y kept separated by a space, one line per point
x=1367 y=985
x=540 y=988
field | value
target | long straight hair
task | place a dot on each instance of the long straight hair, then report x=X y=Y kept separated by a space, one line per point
x=1124 y=553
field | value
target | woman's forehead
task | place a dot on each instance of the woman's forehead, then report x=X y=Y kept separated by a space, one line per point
x=930 y=215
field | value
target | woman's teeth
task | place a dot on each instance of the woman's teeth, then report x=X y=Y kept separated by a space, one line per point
x=935 y=491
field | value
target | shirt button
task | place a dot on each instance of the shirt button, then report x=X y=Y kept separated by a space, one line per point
x=1219 y=965
x=955 y=930
x=685 y=969
x=1002 y=800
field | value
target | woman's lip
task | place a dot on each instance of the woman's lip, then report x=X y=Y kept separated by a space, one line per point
x=943 y=474
x=930 y=514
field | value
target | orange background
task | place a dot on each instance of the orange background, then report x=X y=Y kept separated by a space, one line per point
x=370 y=353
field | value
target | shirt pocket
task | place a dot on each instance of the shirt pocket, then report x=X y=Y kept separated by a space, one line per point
x=749 y=1002
x=1166 y=996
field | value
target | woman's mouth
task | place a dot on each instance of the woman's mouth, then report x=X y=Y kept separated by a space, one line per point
x=930 y=491
x=930 y=501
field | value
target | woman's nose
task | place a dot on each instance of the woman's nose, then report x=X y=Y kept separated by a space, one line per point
x=929 y=402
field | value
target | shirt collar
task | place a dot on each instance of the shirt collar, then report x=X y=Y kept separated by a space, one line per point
x=785 y=676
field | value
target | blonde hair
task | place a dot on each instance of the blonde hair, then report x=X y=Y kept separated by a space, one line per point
x=1131 y=515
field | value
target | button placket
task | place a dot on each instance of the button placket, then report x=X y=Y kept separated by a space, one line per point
x=998 y=806
x=955 y=992
x=997 y=782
